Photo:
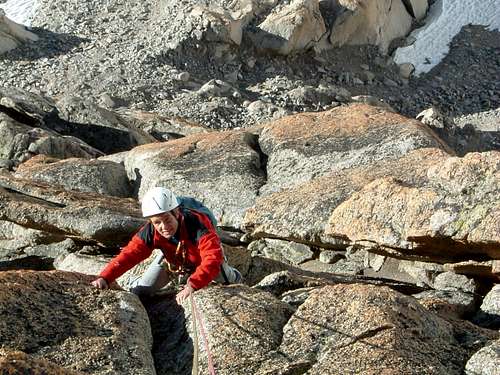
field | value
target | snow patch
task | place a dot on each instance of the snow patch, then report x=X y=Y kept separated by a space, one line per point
x=445 y=20
x=20 y=11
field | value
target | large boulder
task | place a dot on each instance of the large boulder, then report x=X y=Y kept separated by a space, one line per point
x=12 y=34
x=217 y=24
x=223 y=170
x=71 y=118
x=489 y=312
x=87 y=216
x=306 y=146
x=97 y=176
x=301 y=213
x=456 y=213
x=338 y=329
x=213 y=22
x=58 y=317
x=241 y=326
x=425 y=206
x=103 y=129
x=19 y=142
x=291 y=27
x=365 y=329
x=371 y=22
x=485 y=361
x=24 y=248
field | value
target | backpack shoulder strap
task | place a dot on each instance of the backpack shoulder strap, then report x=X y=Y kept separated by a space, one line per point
x=196 y=205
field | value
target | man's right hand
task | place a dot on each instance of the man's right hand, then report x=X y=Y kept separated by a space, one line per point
x=100 y=283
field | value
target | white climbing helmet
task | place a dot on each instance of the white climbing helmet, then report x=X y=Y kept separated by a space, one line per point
x=158 y=200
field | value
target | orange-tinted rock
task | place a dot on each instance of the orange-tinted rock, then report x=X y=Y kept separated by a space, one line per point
x=59 y=317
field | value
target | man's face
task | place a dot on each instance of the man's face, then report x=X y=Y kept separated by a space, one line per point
x=166 y=224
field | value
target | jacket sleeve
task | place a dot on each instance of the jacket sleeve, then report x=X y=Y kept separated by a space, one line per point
x=211 y=260
x=135 y=252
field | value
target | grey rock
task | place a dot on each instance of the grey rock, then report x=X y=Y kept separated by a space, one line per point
x=88 y=216
x=293 y=159
x=255 y=320
x=374 y=261
x=330 y=331
x=12 y=34
x=57 y=305
x=406 y=70
x=371 y=100
x=321 y=95
x=448 y=303
x=103 y=129
x=98 y=176
x=320 y=163
x=452 y=281
x=455 y=183
x=341 y=267
x=81 y=263
x=296 y=297
x=290 y=28
x=18 y=139
x=370 y=23
x=486 y=361
x=489 y=312
x=223 y=170
x=390 y=82
x=329 y=256
x=22 y=248
x=6 y=163
x=423 y=273
x=282 y=251
x=217 y=87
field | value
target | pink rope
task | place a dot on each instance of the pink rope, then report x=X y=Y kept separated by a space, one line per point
x=197 y=316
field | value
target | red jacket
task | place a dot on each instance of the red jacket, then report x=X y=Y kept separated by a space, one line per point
x=196 y=234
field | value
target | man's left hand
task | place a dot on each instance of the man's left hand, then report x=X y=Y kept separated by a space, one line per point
x=184 y=293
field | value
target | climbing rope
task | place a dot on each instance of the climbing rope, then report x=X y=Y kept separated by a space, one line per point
x=197 y=320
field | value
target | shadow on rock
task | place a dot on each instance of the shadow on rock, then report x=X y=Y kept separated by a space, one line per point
x=172 y=346
x=49 y=45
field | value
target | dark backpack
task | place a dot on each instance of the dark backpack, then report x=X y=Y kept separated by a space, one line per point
x=196 y=205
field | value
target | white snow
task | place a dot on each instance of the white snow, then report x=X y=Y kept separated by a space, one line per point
x=20 y=11
x=444 y=20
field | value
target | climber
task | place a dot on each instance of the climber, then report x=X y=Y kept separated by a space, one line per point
x=187 y=237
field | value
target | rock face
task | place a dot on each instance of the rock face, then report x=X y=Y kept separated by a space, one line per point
x=310 y=145
x=15 y=362
x=96 y=176
x=372 y=22
x=489 y=312
x=101 y=128
x=32 y=124
x=291 y=28
x=380 y=339
x=486 y=361
x=302 y=212
x=223 y=170
x=359 y=160
x=59 y=317
x=338 y=329
x=380 y=189
x=92 y=217
x=12 y=34
x=459 y=206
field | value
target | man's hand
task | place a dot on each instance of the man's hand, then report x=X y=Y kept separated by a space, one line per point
x=184 y=293
x=100 y=283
